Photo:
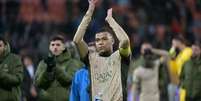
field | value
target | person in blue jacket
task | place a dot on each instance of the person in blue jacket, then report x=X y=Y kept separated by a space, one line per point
x=80 y=86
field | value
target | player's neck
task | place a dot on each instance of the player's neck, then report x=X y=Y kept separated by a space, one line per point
x=105 y=54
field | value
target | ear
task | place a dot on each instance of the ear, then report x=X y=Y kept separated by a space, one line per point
x=63 y=47
x=49 y=46
x=112 y=40
x=7 y=47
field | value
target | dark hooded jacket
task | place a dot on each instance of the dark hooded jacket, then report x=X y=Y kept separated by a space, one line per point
x=11 y=76
x=55 y=85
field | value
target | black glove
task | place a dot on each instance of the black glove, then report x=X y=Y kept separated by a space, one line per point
x=50 y=61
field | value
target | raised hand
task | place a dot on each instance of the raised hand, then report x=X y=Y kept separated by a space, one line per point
x=149 y=46
x=50 y=61
x=92 y=2
x=109 y=14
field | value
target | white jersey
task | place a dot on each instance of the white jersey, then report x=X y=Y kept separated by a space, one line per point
x=147 y=80
x=106 y=76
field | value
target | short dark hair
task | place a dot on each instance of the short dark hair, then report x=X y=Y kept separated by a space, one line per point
x=57 y=37
x=106 y=29
x=181 y=39
x=145 y=41
x=27 y=56
x=2 y=39
x=197 y=43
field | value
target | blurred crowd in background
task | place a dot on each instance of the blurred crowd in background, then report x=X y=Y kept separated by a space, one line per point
x=27 y=24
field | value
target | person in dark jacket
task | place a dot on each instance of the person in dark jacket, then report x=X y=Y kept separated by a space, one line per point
x=55 y=73
x=11 y=73
x=80 y=88
x=29 y=91
x=191 y=75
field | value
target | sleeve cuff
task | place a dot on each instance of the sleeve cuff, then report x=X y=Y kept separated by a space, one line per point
x=125 y=51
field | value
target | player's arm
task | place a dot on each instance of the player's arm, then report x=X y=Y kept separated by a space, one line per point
x=124 y=42
x=79 y=35
x=163 y=53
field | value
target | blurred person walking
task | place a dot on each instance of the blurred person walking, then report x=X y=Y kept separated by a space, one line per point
x=29 y=91
x=146 y=74
x=182 y=53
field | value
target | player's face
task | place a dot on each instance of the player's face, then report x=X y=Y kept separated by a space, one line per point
x=56 y=47
x=144 y=46
x=104 y=42
x=176 y=43
x=196 y=50
x=2 y=47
